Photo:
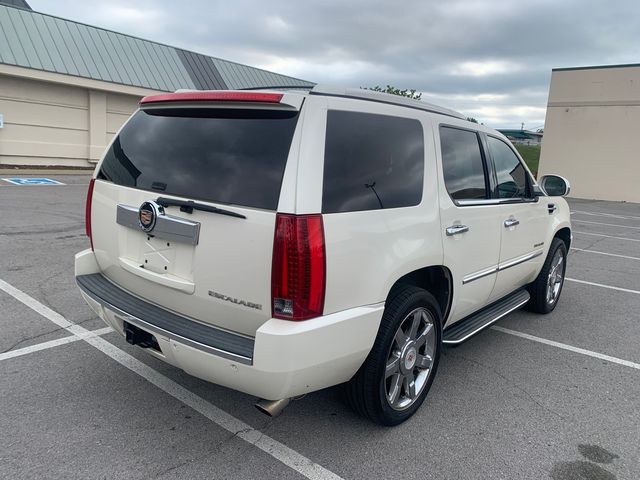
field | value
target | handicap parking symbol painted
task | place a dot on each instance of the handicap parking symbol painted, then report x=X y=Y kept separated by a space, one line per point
x=32 y=181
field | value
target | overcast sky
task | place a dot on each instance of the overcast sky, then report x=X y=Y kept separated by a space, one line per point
x=488 y=59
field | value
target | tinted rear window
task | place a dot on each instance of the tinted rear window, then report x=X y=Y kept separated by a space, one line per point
x=224 y=156
x=371 y=162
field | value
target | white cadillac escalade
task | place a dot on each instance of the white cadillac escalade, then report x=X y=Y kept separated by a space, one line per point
x=281 y=242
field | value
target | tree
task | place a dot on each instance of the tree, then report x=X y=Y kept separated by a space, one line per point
x=396 y=91
x=472 y=120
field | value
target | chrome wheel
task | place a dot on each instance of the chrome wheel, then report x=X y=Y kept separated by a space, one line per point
x=555 y=278
x=410 y=359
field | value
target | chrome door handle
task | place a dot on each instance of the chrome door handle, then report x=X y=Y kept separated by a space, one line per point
x=456 y=229
x=511 y=222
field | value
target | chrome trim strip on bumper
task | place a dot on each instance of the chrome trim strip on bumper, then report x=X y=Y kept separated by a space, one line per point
x=502 y=266
x=173 y=336
x=167 y=227
x=181 y=338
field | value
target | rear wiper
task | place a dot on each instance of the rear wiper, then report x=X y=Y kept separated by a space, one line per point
x=190 y=206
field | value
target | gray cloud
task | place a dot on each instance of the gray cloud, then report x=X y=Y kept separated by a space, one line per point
x=487 y=58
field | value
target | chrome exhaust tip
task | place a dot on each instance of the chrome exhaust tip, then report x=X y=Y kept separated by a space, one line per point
x=273 y=408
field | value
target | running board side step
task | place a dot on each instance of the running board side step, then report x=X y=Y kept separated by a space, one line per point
x=475 y=323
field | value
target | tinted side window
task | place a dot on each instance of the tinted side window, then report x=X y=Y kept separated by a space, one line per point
x=512 y=177
x=371 y=162
x=462 y=164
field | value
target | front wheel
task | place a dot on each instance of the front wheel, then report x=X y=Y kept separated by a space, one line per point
x=545 y=290
x=396 y=376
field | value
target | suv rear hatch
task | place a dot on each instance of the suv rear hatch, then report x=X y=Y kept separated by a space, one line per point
x=209 y=260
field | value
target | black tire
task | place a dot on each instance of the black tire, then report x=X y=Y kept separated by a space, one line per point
x=366 y=391
x=540 y=301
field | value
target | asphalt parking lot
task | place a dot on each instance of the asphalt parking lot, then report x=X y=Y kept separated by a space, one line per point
x=554 y=396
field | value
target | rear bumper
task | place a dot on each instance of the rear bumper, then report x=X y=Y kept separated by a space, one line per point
x=284 y=359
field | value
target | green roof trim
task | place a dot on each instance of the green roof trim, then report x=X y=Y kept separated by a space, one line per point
x=44 y=42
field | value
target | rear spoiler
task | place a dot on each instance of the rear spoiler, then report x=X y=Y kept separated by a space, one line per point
x=225 y=96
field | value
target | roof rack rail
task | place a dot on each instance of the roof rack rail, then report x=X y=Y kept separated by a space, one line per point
x=373 y=96
x=359 y=94
x=303 y=87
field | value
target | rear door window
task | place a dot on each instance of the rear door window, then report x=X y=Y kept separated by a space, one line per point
x=462 y=163
x=372 y=162
x=220 y=155
x=510 y=173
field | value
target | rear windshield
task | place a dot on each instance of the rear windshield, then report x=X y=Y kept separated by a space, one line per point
x=220 y=155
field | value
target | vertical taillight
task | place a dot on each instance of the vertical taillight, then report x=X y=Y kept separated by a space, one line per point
x=87 y=211
x=298 y=273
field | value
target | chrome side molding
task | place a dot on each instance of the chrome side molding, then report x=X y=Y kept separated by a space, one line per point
x=493 y=201
x=501 y=266
x=519 y=260
x=478 y=275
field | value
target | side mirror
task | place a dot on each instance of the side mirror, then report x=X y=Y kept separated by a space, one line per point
x=555 y=185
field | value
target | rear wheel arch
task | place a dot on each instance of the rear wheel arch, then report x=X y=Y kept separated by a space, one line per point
x=564 y=234
x=435 y=279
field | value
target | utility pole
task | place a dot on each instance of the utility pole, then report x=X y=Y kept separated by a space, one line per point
x=522 y=127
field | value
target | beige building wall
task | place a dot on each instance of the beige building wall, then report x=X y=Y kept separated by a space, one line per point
x=119 y=108
x=58 y=120
x=591 y=132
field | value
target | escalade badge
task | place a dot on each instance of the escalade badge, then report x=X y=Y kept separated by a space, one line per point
x=237 y=301
x=148 y=214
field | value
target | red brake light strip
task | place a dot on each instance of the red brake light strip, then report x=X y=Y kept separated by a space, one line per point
x=221 y=96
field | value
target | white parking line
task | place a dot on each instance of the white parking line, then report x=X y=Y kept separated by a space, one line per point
x=609 y=236
x=277 y=450
x=570 y=348
x=85 y=185
x=573 y=220
x=52 y=343
x=598 y=214
x=605 y=253
x=611 y=287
